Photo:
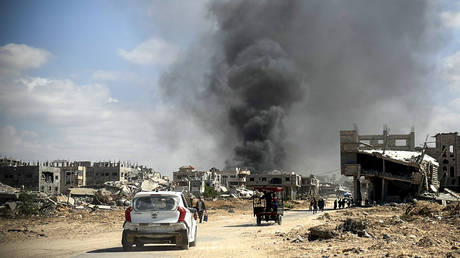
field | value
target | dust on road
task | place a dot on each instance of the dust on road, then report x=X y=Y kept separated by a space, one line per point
x=225 y=235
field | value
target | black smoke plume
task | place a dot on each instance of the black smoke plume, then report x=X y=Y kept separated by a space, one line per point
x=276 y=80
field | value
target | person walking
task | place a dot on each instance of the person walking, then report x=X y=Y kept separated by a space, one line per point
x=201 y=208
x=321 y=204
x=335 y=204
x=315 y=206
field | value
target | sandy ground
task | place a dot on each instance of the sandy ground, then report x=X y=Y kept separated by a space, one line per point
x=225 y=235
x=428 y=231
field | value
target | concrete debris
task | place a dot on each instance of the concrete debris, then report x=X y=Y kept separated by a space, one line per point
x=104 y=196
x=8 y=189
x=354 y=226
x=321 y=232
x=12 y=206
x=298 y=239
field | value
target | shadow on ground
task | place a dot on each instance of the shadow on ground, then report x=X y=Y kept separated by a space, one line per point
x=250 y=225
x=150 y=248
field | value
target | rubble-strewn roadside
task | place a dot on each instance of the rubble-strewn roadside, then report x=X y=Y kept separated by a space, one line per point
x=422 y=229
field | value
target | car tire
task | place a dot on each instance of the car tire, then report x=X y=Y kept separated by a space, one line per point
x=259 y=220
x=185 y=245
x=127 y=246
x=194 y=239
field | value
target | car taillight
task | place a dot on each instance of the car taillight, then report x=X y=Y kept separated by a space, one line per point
x=128 y=214
x=182 y=213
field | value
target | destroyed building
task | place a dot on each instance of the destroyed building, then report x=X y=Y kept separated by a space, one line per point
x=36 y=177
x=55 y=177
x=233 y=178
x=188 y=179
x=290 y=182
x=309 y=186
x=389 y=163
x=73 y=174
x=447 y=153
x=101 y=172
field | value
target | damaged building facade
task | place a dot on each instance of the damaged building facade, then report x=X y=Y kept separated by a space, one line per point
x=59 y=176
x=35 y=177
x=309 y=186
x=447 y=153
x=392 y=168
x=290 y=182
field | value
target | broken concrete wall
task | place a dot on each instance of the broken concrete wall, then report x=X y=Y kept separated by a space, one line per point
x=49 y=180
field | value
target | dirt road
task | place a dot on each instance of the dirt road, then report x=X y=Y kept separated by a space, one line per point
x=228 y=235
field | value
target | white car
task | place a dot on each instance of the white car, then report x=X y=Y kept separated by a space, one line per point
x=160 y=218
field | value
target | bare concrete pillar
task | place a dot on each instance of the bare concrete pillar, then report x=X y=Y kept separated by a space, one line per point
x=384 y=192
x=357 y=190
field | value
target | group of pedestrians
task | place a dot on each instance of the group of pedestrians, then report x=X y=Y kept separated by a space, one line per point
x=317 y=204
x=341 y=203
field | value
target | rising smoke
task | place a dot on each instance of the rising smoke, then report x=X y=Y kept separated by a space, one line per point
x=277 y=80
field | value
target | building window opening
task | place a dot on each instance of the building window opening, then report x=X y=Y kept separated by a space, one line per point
x=401 y=142
x=452 y=172
x=55 y=189
x=48 y=177
x=451 y=150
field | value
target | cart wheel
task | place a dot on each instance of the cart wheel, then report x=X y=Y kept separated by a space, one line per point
x=280 y=219
x=259 y=220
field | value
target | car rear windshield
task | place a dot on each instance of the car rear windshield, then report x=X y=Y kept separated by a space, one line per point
x=156 y=203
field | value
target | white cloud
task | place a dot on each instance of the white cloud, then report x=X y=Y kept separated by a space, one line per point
x=151 y=52
x=104 y=75
x=15 y=58
x=451 y=70
x=451 y=19
x=85 y=122
x=445 y=118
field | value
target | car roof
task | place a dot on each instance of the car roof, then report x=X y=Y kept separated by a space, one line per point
x=143 y=194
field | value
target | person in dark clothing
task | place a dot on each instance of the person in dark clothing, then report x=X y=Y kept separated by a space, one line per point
x=335 y=204
x=201 y=208
x=321 y=204
x=275 y=204
x=315 y=206
x=268 y=200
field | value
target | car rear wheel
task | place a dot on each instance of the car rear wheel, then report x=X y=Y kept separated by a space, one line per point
x=259 y=220
x=186 y=243
x=124 y=242
x=194 y=239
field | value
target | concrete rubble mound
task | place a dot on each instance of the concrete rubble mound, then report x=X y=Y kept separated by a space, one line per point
x=321 y=232
x=354 y=226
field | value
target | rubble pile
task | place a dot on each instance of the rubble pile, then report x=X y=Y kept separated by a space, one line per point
x=395 y=230
x=14 y=203
x=242 y=193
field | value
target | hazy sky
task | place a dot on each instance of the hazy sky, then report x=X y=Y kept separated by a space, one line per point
x=79 y=81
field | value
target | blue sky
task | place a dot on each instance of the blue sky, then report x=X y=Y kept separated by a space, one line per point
x=79 y=78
